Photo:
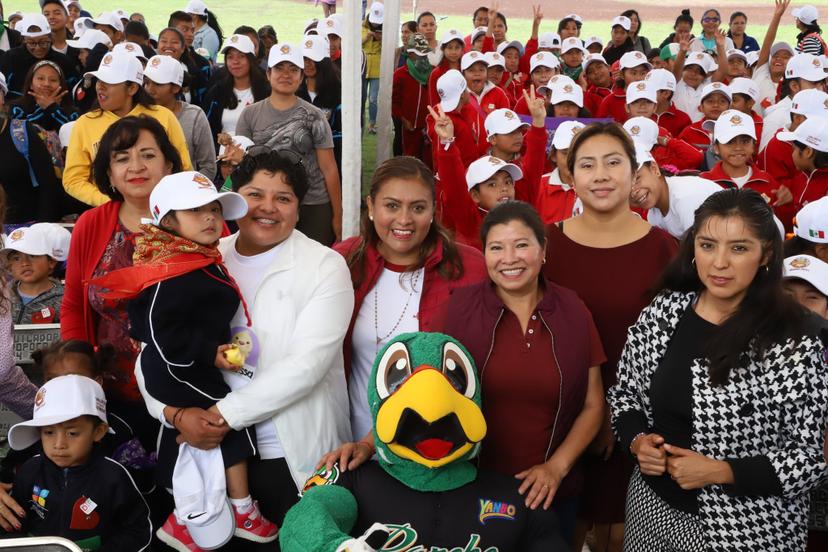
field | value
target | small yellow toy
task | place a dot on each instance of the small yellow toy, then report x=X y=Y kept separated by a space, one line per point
x=234 y=355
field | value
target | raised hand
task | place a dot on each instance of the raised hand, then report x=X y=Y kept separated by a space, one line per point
x=536 y=105
x=45 y=100
x=781 y=7
x=443 y=126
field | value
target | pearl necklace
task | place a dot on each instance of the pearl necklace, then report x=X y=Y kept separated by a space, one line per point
x=414 y=280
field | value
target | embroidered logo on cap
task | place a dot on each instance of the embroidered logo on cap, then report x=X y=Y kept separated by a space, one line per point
x=495 y=161
x=813 y=140
x=202 y=181
x=40 y=398
x=635 y=130
x=285 y=49
x=155 y=62
x=16 y=235
x=129 y=47
x=309 y=44
x=473 y=55
x=107 y=59
x=640 y=86
x=568 y=88
x=508 y=114
x=441 y=92
x=234 y=38
x=735 y=120
x=800 y=263
x=329 y=22
x=816 y=62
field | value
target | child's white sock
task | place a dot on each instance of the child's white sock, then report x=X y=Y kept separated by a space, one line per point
x=242 y=505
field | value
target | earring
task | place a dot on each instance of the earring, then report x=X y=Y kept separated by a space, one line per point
x=693 y=262
x=371 y=218
x=767 y=268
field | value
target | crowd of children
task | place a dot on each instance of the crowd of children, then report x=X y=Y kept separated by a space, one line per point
x=493 y=118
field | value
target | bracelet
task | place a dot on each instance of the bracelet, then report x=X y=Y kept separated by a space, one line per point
x=177 y=415
x=634 y=438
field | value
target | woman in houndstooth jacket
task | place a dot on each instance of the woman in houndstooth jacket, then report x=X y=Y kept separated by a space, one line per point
x=722 y=394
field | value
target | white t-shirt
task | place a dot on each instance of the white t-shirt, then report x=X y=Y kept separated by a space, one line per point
x=686 y=194
x=249 y=273
x=767 y=88
x=229 y=117
x=740 y=181
x=397 y=299
x=776 y=117
x=686 y=99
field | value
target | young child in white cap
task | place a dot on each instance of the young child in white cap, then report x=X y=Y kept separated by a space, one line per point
x=805 y=278
x=183 y=306
x=72 y=489
x=32 y=254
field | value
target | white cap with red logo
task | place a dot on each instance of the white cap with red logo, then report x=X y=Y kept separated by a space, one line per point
x=641 y=90
x=450 y=87
x=164 y=70
x=486 y=167
x=634 y=59
x=189 y=190
x=502 y=121
x=117 y=68
x=733 y=123
x=808 y=268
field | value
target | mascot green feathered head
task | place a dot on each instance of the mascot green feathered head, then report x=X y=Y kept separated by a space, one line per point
x=424 y=397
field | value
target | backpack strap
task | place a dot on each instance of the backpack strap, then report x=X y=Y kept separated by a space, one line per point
x=20 y=137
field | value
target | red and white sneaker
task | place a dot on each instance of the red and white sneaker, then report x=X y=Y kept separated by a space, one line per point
x=176 y=536
x=254 y=527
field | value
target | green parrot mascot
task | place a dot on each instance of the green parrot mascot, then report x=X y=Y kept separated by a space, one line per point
x=424 y=494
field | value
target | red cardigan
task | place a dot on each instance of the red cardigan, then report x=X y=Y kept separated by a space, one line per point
x=89 y=238
x=436 y=289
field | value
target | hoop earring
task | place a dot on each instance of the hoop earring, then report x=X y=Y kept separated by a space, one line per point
x=693 y=262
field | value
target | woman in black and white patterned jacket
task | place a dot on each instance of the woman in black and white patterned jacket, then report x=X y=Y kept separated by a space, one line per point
x=722 y=394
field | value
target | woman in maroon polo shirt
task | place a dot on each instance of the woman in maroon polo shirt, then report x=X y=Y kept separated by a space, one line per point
x=538 y=355
x=611 y=258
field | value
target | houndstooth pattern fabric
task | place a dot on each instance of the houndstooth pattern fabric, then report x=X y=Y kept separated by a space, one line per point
x=651 y=525
x=776 y=406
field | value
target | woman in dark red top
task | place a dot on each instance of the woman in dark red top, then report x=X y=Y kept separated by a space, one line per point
x=611 y=258
x=542 y=416
x=134 y=154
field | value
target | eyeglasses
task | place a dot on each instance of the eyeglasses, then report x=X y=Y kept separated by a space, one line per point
x=39 y=44
x=710 y=20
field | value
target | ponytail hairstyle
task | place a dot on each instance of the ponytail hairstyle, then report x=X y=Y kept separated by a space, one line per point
x=766 y=315
x=408 y=168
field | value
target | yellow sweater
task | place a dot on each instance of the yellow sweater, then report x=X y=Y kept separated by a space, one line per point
x=83 y=145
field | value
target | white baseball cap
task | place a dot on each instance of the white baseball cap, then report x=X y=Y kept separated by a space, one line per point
x=642 y=154
x=661 y=79
x=315 y=47
x=89 y=39
x=566 y=91
x=807 y=14
x=641 y=90
x=543 y=59
x=502 y=121
x=493 y=59
x=450 y=87
x=572 y=43
x=551 y=41
x=130 y=48
x=564 y=134
x=623 y=21
x=376 y=14
x=590 y=58
x=123 y=14
x=779 y=46
x=196 y=7
x=593 y=40
x=42 y=238
x=574 y=16
x=752 y=58
x=735 y=52
x=191 y=189
x=65 y=133
x=808 y=268
x=285 y=52
x=470 y=58
x=813 y=132
x=81 y=27
x=59 y=400
x=703 y=60
x=200 y=494
x=811 y=102
x=805 y=66
x=478 y=32
x=110 y=19
x=164 y=70
x=243 y=142
x=741 y=85
x=18 y=15
x=733 y=123
x=486 y=167
x=811 y=222
x=119 y=67
x=503 y=46
x=544 y=88
x=330 y=26
x=33 y=20
x=239 y=42
x=634 y=59
x=642 y=130
x=714 y=87
x=451 y=34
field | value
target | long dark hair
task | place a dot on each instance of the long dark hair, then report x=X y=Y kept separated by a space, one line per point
x=27 y=101
x=409 y=168
x=258 y=83
x=328 y=86
x=766 y=315
x=213 y=23
x=809 y=28
x=122 y=135
x=628 y=14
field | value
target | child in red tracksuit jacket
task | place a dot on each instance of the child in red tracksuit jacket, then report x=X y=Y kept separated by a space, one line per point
x=634 y=67
x=467 y=136
x=777 y=160
x=715 y=99
x=467 y=195
x=409 y=98
x=810 y=155
x=735 y=145
x=554 y=196
x=667 y=115
x=452 y=52
x=489 y=97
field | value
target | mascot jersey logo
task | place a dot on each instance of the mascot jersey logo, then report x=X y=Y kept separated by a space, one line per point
x=403 y=538
x=428 y=414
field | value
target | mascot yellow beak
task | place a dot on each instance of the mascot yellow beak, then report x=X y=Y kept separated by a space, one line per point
x=426 y=420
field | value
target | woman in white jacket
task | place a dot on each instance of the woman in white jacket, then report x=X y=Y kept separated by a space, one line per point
x=299 y=295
